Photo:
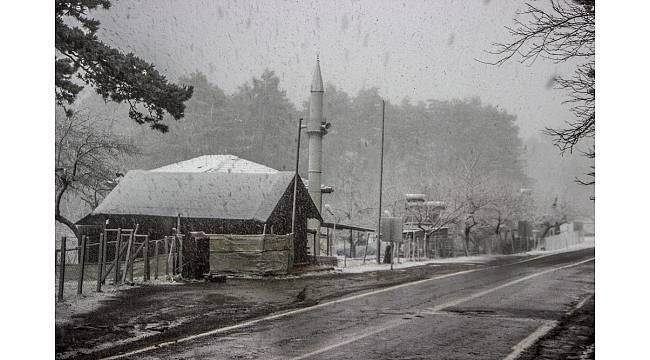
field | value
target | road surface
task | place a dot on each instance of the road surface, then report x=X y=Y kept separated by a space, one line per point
x=487 y=313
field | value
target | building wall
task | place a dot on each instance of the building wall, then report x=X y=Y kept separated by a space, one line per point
x=280 y=219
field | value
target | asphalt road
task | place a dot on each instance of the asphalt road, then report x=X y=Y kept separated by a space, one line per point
x=488 y=313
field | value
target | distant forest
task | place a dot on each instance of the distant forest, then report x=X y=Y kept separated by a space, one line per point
x=456 y=151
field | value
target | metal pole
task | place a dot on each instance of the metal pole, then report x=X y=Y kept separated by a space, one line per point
x=295 y=180
x=334 y=236
x=62 y=268
x=381 y=177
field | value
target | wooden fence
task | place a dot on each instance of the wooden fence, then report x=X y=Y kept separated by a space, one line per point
x=119 y=252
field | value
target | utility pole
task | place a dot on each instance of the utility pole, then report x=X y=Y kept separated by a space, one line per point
x=381 y=178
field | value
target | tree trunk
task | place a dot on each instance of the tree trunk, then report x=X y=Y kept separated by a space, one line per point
x=426 y=246
x=467 y=232
x=62 y=219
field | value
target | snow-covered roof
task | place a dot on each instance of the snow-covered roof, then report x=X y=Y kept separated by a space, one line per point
x=217 y=163
x=216 y=195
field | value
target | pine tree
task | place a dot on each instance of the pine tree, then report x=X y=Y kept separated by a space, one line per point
x=119 y=77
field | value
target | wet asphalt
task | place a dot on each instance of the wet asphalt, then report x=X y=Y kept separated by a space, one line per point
x=481 y=314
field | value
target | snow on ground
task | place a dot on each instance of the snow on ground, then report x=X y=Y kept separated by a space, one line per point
x=588 y=243
x=74 y=304
x=355 y=266
x=137 y=334
x=90 y=300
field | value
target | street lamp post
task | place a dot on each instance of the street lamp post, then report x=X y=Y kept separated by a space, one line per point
x=381 y=178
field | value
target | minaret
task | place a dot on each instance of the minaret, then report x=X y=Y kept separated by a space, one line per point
x=315 y=131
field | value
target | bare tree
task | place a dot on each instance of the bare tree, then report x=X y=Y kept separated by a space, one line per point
x=563 y=31
x=553 y=217
x=500 y=213
x=475 y=180
x=87 y=156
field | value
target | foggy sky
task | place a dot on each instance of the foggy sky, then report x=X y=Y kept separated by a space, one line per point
x=414 y=49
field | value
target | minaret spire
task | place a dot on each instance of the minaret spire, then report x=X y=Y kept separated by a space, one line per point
x=315 y=131
x=317 y=79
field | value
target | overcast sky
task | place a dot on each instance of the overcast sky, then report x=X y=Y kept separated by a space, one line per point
x=415 y=49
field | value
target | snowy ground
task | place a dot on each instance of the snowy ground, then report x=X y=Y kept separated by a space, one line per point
x=74 y=304
x=90 y=300
x=356 y=266
x=588 y=243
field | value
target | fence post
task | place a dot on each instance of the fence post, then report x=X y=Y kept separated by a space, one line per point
x=82 y=265
x=62 y=268
x=127 y=260
x=146 y=258
x=166 y=256
x=180 y=253
x=118 y=247
x=132 y=261
x=105 y=258
x=174 y=252
x=156 y=254
x=100 y=262
x=133 y=255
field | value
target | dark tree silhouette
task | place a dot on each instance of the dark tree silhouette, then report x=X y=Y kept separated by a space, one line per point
x=563 y=31
x=123 y=78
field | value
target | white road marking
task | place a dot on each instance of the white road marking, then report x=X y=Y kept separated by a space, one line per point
x=530 y=340
x=509 y=283
x=318 y=306
x=351 y=340
x=287 y=313
x=581 y=303
x=541 y=331
x=440 y=307
x=497 y=317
